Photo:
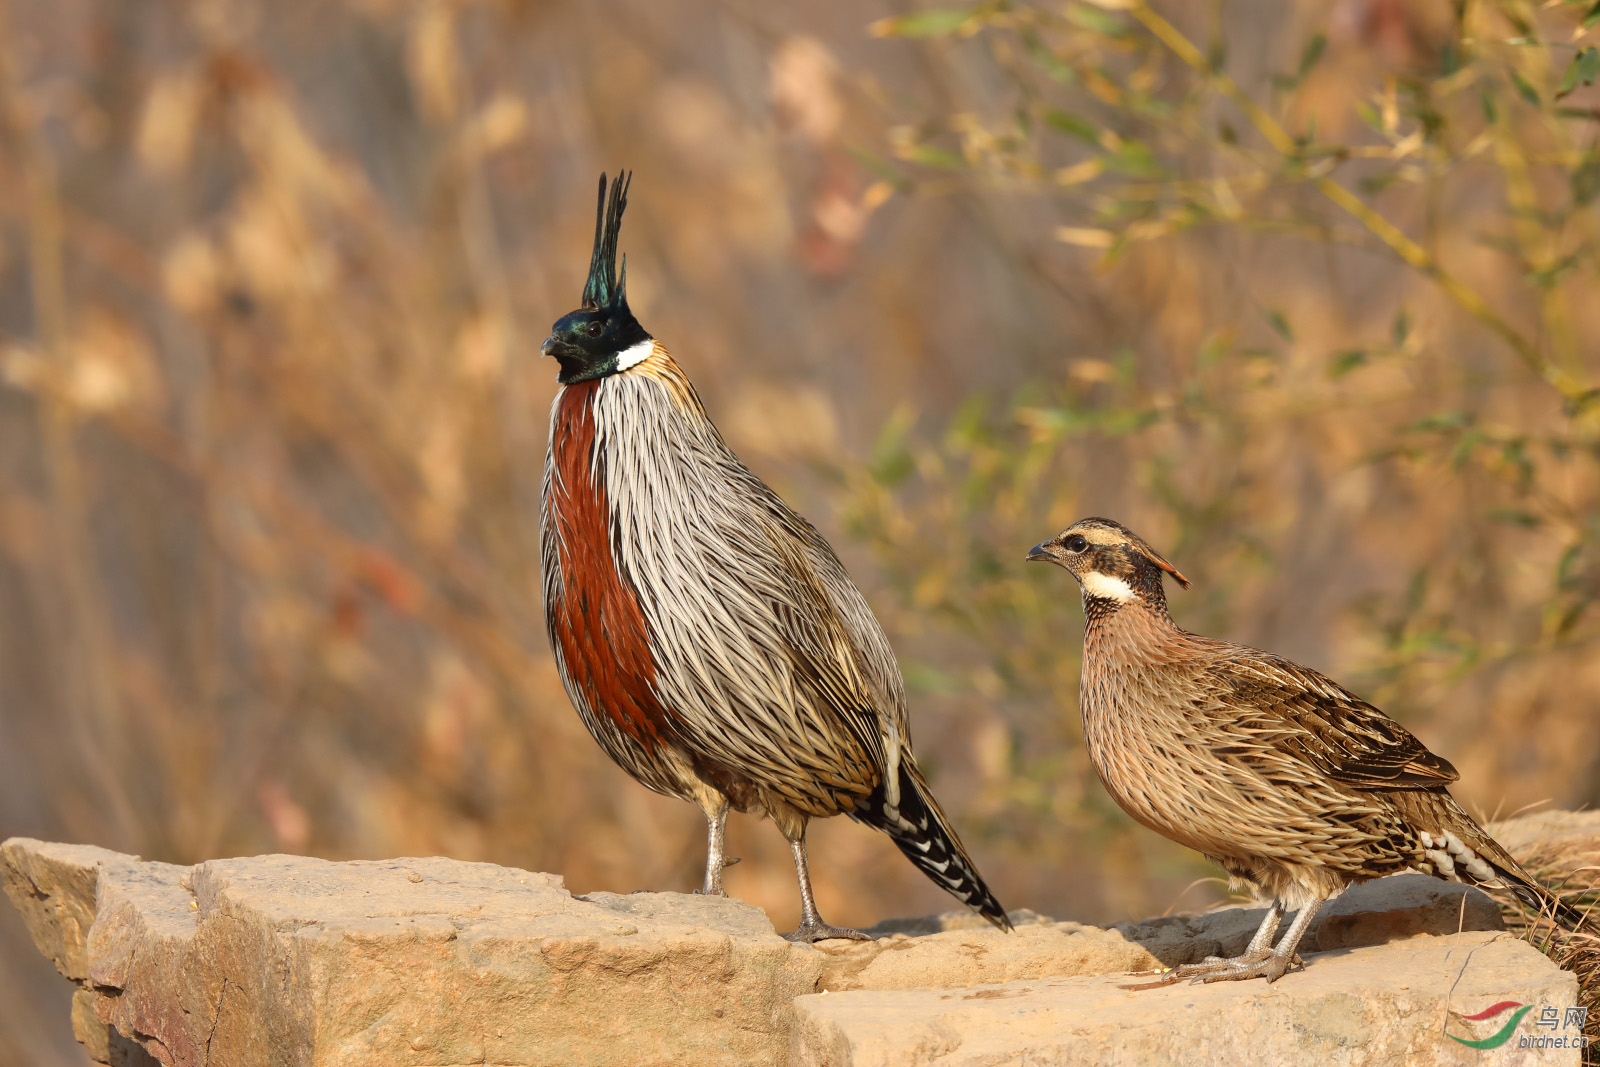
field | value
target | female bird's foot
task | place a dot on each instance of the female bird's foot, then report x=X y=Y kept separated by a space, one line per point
x=1268 y=965
x=1257 y=961
x=716 y=892
x=1260 y=964
x=810 y=933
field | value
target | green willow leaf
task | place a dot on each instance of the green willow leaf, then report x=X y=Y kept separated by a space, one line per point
x=1280 y=324
x=1583 y=69
x=1344 y=362
x=939 y=22
x=933 y=156
x=1071 y=124
x=1312 y=53
x=1525 y=89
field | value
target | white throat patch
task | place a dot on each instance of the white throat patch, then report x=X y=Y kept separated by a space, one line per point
x=634 y=355
x=1107 y=587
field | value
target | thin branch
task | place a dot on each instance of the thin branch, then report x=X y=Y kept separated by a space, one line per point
x=1408 y=250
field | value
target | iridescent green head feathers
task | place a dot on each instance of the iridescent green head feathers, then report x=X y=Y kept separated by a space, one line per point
x=606 y=288
x=602 y=337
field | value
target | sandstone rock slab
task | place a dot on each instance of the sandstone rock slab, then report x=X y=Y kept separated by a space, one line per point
x=1378 y=1005
x=963 y=955
x=289 y=960
x=1389 y=909
x=53 y=887
x=961 y=949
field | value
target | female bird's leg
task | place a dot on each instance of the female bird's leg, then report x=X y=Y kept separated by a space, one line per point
x=1261 y=943
x=811 y=927
x=1258 y=960
x=715 y=805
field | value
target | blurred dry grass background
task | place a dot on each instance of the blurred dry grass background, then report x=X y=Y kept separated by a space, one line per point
x=273 y=278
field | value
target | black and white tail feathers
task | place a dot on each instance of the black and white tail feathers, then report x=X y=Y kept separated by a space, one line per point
x=922 y=832
x=1540 y=899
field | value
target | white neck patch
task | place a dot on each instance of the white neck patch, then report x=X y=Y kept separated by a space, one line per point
x=1107 y=587
x=634 y=355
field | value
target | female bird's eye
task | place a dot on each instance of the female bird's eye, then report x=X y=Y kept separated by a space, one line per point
x=595 y=329
x=1077 y=543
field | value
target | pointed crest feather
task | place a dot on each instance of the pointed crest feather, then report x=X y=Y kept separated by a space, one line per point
x=1155 y=557
x=605 y=288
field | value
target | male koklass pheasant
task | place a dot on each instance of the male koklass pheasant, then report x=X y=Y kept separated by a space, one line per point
x=1293 y=785
x=707 y=635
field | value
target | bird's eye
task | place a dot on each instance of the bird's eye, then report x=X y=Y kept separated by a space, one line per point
x=595 y=329
x=1077 y=543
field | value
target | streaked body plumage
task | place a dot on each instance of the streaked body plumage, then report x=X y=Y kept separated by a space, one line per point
x=1285 y=779
x=749 y=625
x=1294 y=785
x=710 y=638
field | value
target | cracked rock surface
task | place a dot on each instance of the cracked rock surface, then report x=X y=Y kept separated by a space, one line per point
x=437 y=962
x=290 y=960
x=1380 y=1005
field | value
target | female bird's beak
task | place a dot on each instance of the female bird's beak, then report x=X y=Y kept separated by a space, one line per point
x=1041 y=553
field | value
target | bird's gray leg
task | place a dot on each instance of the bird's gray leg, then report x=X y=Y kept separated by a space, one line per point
x=717 y=823
x=811 y=927
x=1259 y=948
x=1261 y=943
x=1257 y=961
x=715 y=806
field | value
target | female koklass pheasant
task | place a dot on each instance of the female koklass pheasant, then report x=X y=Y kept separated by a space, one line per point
x=1293 y=785
x=707 y=635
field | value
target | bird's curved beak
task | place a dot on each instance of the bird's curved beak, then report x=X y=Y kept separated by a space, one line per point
x=1041 y=553
x=549 y=346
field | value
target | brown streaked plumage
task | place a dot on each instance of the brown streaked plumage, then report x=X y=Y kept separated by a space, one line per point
x=1292 y=784
x=707 y=635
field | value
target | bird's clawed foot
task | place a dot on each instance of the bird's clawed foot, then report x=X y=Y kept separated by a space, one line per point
x=812 y=932
x=812 y=929
x=1260 y=964
x=1268 y=965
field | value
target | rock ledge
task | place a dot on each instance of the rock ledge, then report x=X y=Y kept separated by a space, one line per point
x=413 y=962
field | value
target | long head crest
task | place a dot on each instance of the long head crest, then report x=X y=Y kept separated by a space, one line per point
x=606 y=288
x=602 y=337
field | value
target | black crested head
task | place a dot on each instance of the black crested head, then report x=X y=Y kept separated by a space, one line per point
x=589 y=343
